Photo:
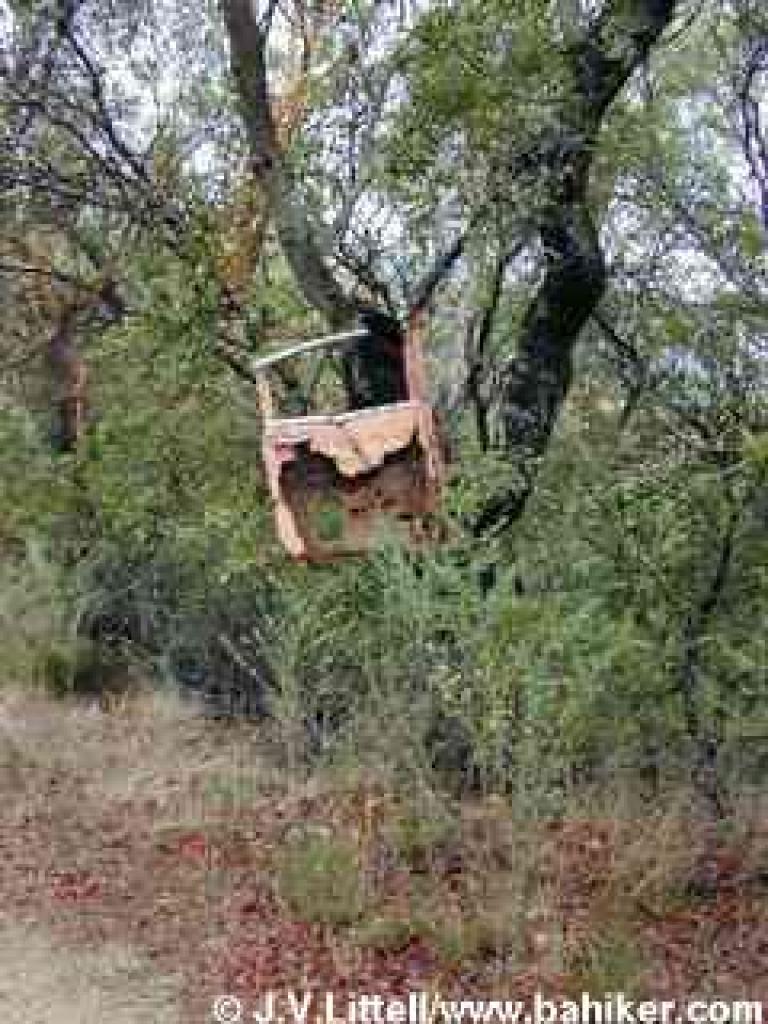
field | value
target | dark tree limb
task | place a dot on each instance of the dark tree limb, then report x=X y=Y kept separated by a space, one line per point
x=96 y=85
x=442 y=266
x=476 y=350
x=695 y=624
x=702 y=731
x=633 y=368
x=534 y=384
x=754 y=140
x=55 y=275
x=371 y=368
x=235 y=359
x=68 y=379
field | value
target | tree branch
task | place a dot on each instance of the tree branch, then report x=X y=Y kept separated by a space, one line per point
x=476 y=348
x=705 y=773
x=534 y=384
x=754 y=141
x=97 y=93
x=443 y=265
x=248 y=43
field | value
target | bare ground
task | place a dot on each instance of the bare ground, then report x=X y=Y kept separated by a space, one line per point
x=44 y=983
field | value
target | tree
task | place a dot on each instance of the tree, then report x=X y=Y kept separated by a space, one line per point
x=598 y=59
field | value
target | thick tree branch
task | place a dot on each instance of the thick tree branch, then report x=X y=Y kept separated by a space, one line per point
x=443 y=265
x=754 y=141
x=633 y=368
x=248 y=38
x=705 y=769
x=534 y=384
x=476 y=349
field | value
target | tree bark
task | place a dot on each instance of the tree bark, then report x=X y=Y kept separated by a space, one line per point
x=68 y=377
x=248 y=37
x=66 y=367
x=533 y=385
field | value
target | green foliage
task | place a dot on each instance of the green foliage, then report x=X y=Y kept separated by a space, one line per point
x=610 y=962
x=38 y=624
x=319 y=878
x=478 y=77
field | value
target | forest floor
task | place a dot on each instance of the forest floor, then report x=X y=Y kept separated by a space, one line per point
x=151 y=861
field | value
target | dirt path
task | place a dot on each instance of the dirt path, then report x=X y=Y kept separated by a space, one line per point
x=41 y=983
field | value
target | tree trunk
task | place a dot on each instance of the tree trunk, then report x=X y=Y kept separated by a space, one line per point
x=534 y=384
x=68 y=377
x=709 y=803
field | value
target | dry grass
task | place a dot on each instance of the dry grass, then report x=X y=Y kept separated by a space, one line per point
x=41 y=983
x=145 y=746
